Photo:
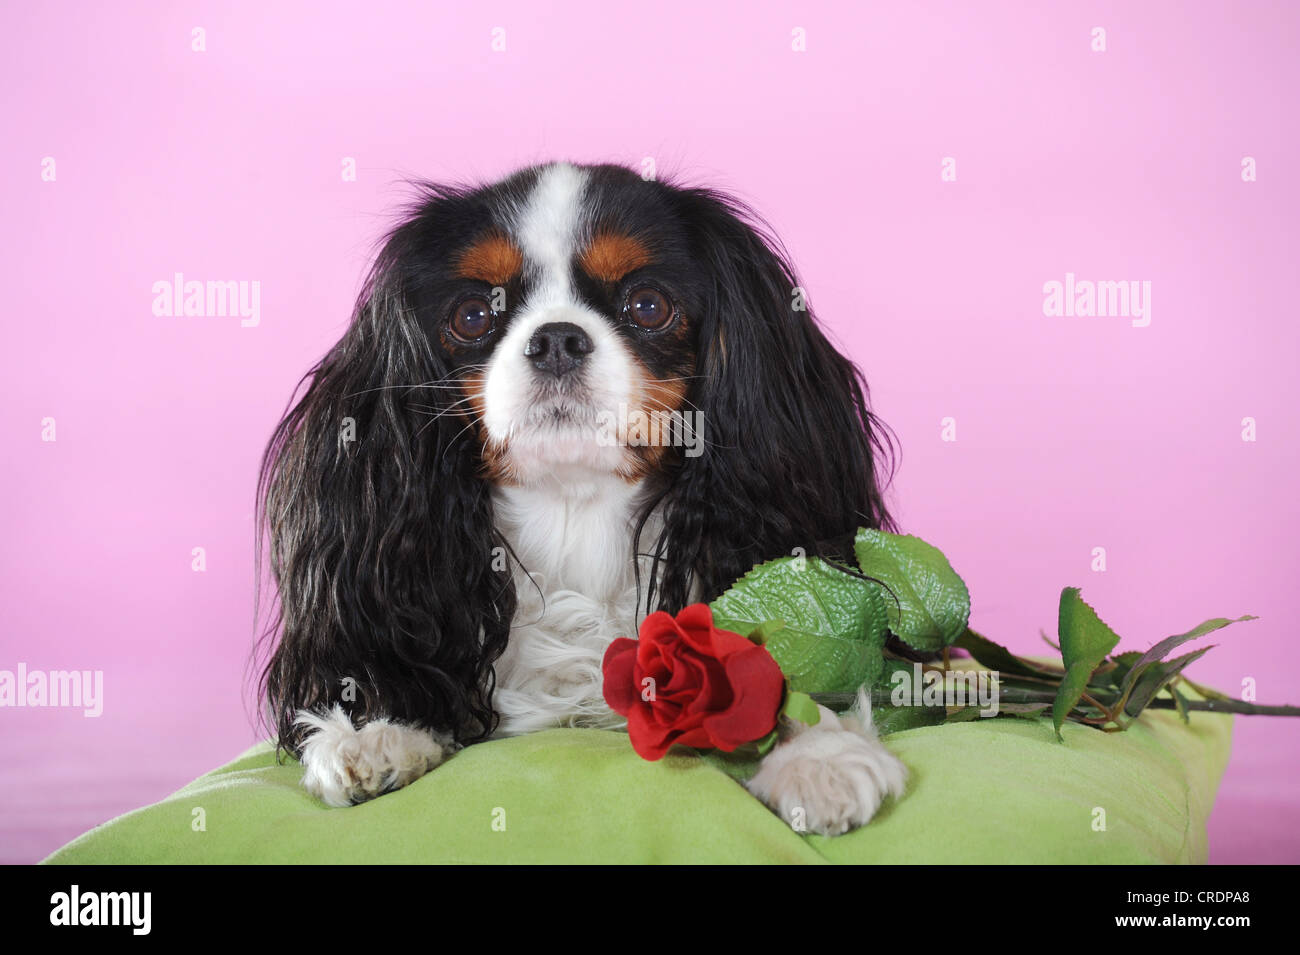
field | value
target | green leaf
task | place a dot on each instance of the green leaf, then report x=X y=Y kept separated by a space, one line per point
x=889 y=718
x=1067 y=697
x=743 y=762
x=800 y=706
x=1140 y=665
x=966 y=714
x=1085 y=638
x=1154 y=678
x=835 y=624
x=997 y=657
x=764 y=630
x=1014 y=683
x=895 y=719
x=1205 y=692
x=1085 y=641
x=928 y=603
x=1201 y=629
x=1180 y=704
x=1123 y=663
x=1024 y=710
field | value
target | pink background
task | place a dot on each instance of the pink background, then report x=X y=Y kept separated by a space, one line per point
x=1072 y=432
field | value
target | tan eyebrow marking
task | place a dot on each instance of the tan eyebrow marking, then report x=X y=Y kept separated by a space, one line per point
x=612 y=255
x=493 y=259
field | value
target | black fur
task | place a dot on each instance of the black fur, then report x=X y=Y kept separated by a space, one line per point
x=793 y=448
x=381 y=547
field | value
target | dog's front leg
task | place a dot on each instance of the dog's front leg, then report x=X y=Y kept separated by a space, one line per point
x=831 y=777
x=343 y=764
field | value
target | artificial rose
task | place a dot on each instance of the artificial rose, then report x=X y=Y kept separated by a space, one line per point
x=710 y=687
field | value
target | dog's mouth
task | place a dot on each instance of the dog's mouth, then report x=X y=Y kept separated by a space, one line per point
x=556 y=415
x=560 y=433
x=559 y=405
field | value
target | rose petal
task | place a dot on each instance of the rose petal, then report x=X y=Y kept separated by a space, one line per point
x=726 y=643
x=697 y=737
x=620 y=685
x=687 y=676
x=695 y=623
x=758 y=685
x=657 y=630
x=715 y=691
x=664 y=713
x=649 y=740
x=713 y=688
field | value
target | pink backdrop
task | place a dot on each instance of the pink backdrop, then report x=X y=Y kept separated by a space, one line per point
x=1072 y=433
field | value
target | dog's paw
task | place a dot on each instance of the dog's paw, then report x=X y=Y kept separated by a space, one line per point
x=343 y=765
x=829 y=778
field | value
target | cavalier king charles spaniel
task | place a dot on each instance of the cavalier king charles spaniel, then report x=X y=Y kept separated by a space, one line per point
x=465 y=505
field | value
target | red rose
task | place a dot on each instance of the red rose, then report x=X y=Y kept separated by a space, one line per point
x=709 y=687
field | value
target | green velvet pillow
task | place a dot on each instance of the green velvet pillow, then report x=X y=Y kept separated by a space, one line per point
x=988 y=791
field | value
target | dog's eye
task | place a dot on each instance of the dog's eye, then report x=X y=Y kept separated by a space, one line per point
x=649 y=308
x=472 y=319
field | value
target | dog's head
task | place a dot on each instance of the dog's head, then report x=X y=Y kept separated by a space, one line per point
x=567 y=324
x=568 y=306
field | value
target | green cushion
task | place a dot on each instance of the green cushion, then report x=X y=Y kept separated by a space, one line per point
x=999 y=790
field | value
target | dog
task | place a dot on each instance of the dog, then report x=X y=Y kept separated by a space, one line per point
x=454 y=537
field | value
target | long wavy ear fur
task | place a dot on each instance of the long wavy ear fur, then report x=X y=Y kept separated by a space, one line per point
x=791 y=450
x=381 y=539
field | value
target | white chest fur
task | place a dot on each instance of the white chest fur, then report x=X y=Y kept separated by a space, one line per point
x=579 y=593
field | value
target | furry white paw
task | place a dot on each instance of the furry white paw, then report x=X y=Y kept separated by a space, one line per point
x=343 y=765
x=831 y=777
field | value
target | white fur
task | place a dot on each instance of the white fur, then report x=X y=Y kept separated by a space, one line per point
x=519 y=413
x=579 y=595
x=545 y=431
x=343 y=765
x=569 y=518
x=548 y=228
x=831 y=777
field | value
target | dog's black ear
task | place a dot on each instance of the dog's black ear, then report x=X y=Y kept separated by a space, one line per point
x=791 y=450
x=392 y=597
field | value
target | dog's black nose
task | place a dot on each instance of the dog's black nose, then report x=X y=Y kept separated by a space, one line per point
x=558 y=348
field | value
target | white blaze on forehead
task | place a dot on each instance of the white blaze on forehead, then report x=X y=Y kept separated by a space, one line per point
x=519 y=402
x=547 y=230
